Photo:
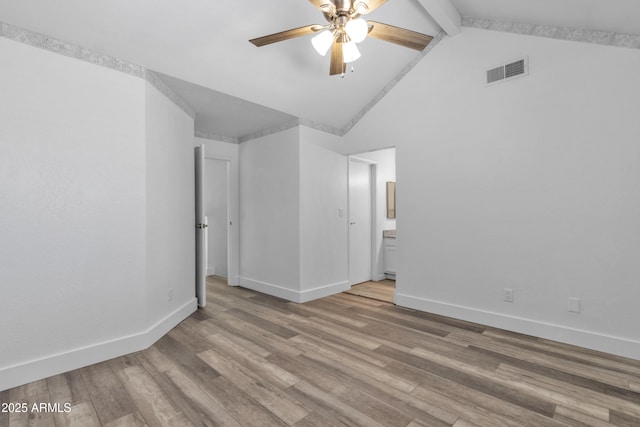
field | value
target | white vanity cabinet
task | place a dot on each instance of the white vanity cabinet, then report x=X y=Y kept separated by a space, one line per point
x=390 y=256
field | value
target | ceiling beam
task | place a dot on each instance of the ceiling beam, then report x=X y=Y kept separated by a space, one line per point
x=445 y=14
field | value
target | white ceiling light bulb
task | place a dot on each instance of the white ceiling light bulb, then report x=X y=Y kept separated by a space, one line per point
x=322 y=42
x=350 y=52
x=357 y=29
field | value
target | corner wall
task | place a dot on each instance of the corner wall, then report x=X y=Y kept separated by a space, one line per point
x=170 y=201
x=529 y=184
x=293 y=240
x=76 y=212
x=269 y=214
x=324 y=250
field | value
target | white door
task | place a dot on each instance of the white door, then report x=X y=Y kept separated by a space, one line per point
x=201 y=230
x=359 y=222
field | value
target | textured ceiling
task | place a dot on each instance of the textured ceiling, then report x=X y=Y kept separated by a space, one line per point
x=224 y=116
x=620 y=16
x=201 y=49
x=206 y=43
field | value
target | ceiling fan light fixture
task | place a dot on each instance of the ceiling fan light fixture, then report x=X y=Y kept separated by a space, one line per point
x=361 y=7
x=357 y=29
x=346 y=28
x=350 y=52
x=322 y=42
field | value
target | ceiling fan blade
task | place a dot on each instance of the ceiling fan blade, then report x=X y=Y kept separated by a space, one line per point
x=399 y=36
x=286 y=35
x=337 y=62
x=367 y=6
x=325 y=6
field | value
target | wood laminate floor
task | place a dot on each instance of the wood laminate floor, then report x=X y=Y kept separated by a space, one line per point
x=254 y=360
x=381 y=291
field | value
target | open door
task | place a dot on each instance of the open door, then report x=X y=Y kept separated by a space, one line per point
x=201 y=230
x=360 y=253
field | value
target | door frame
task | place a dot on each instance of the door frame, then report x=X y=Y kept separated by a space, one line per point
x=230 y=258
x=373 y=187
x=200 y=227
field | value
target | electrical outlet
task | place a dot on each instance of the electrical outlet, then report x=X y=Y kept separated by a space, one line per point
x=574 y=305
x=508 y=294
x=170 y=295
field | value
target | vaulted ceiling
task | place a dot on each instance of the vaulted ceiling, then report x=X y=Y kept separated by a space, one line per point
x=201 y=48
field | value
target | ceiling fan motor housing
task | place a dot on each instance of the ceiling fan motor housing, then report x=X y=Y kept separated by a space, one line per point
x=341 y=21
x=342 y=5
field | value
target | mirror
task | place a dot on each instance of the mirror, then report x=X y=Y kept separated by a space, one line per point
x=391 y=199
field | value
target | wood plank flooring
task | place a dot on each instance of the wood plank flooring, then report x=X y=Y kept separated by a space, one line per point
x=382 y=290
x=254 y=360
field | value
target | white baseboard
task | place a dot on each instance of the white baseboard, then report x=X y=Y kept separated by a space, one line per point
x=323 y=291
x=269 y=289
x=582 y=338
x=34 y=370
x=293 y=295
x=379 y=277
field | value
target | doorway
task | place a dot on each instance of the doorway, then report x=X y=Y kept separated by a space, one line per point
x=369 y=176
x=216 y=206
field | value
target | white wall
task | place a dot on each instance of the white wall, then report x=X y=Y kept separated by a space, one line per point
x=216 y=208
x=73 y=216
x=293 y=240
x=170 y=201
x=269 y=214
x=385 y=167
x=324 y=252
x=73 y=201
x=231 y=153
x=529 y=184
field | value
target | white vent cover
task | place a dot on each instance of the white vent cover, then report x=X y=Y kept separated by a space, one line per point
x=513 y=69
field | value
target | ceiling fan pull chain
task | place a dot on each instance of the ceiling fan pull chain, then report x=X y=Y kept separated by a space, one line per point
x=343 y=74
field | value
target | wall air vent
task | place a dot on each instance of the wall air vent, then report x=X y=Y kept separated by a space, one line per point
x=504 y=72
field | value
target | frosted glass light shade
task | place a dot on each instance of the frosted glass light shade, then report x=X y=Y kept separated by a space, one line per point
x=350 y=52
x=322 y=42
x=357 y=29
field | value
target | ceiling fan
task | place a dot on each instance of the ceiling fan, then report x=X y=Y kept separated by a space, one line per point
x=345 y=29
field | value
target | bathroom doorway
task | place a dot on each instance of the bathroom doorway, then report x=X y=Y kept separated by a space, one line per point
x=376 y=278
